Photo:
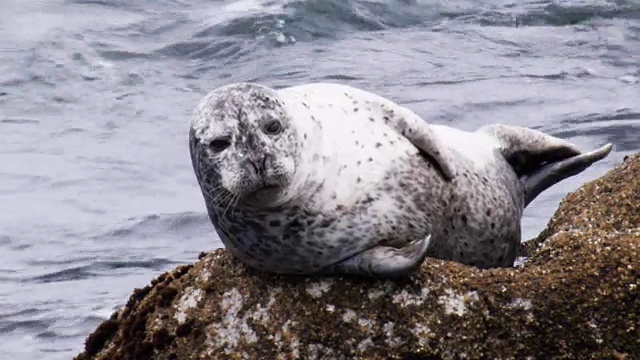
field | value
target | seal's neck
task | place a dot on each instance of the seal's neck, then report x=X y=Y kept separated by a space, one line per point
x=310 y=155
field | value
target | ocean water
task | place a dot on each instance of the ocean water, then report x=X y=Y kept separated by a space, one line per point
x=97 y=193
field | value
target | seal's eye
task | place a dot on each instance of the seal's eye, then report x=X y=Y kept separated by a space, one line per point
x=273 y=127
x=220 y=144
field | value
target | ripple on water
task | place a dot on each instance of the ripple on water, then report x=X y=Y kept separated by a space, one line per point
x=99 y=269
x=159 y=225
x=622 y=128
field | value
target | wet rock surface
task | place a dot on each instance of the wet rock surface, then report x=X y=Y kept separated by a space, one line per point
x=576 y=297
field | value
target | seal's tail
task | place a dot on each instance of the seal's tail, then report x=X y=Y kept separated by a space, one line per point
x=554 y=172
x=541 y=160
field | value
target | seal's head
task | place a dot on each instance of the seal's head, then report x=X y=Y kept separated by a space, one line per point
x=244 y=148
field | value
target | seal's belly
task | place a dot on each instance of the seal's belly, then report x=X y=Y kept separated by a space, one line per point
x=474 y=219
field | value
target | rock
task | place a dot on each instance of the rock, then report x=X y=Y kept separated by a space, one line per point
x=577 y=297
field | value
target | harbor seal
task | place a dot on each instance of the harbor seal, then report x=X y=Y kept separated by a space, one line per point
x=326 y=178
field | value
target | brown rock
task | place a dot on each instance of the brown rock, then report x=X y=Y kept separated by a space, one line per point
x=577 y=297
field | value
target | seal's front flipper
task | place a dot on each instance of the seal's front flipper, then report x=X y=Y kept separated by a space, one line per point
x=552 y=173
x=384 y=261
x=422 y=136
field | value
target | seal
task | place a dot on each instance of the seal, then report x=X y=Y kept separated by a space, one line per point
x=325 y=178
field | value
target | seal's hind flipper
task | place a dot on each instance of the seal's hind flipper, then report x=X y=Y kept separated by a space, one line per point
x=541 y=160
x=526 y=149
x=552 y=173
x=384 y=261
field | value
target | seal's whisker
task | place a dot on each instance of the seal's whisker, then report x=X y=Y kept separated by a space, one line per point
x=222 y=198
x=235 y=205
x=230 y=202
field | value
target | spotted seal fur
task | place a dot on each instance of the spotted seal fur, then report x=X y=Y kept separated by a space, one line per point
x=325 y=178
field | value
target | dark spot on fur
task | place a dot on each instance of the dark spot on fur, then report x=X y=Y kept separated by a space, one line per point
x=488 y=212
x=359 y=162
x=355 y=109
x=327 y=222
x=464 y=219
x=358 y=180
x=305 y=136
x=378 y=145
x=295 y=224
x=493 y=225
x=371 y=119
x=274 y=223
x=370 y=159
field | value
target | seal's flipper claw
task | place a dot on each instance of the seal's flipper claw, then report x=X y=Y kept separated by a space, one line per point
x=554 y=172
x=384 y=261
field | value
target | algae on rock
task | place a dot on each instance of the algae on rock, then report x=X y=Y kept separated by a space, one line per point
x=578 y=296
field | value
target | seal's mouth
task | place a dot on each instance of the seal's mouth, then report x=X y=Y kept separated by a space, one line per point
x=264 y=189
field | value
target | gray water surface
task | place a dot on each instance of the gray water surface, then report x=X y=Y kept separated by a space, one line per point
x=97 y=193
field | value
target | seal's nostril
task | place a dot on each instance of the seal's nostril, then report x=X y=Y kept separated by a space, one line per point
x=254 y=166
x=266 y=161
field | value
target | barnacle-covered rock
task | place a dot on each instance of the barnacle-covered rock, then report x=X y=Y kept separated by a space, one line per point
x=577 y=296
